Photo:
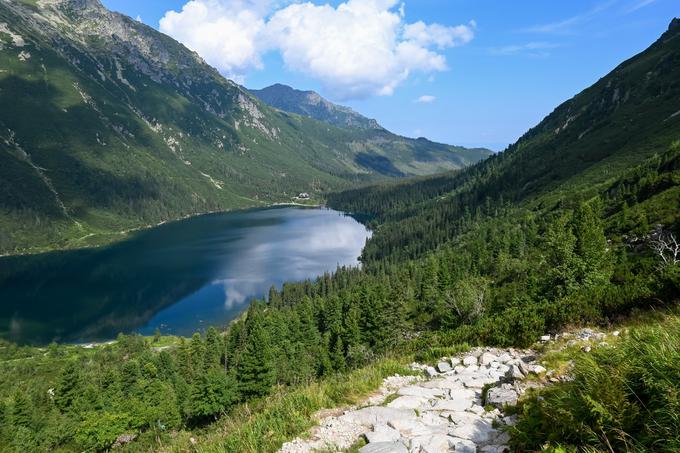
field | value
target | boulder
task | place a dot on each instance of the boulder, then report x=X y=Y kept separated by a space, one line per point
x=469 y=360
x=537 y=369
x=487 y=358
x=504 y=358
x=545 y=338
x=373 y=415
x=439 y=443
x=384 y=447
x=409 y=427
x=463 y=445
x=499 y=397
x=480 y=431
x=457 y=404
x=417 y=390
x=455 y=361
x=382 y=433
x=408 y=402
x=443 y=367
x=430 y=372
x=514 y=373
x=523 y=367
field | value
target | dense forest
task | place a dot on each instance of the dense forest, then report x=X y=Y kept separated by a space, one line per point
x=510 y=274
x=532 y=240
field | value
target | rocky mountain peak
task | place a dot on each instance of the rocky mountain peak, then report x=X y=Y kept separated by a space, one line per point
x=674 y=25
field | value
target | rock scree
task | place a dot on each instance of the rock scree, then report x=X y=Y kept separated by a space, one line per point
x=441 y=411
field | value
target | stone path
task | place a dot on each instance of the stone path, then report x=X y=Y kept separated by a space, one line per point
x=441 y=412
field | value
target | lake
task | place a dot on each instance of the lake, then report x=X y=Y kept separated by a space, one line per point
x=180 y=277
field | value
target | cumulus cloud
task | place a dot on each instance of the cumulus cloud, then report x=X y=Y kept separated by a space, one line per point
x=426 y=99
x=224 y=32
x=357 y=49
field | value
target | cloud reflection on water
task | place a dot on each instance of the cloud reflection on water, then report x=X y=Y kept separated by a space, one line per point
x=266 y=252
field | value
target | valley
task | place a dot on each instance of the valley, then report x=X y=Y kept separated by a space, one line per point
x=525 y=300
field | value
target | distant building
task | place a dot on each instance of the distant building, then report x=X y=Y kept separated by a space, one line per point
x=303 y=196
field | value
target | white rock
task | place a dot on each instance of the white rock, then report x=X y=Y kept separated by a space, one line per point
x=384 y=447
x=455 y=361
x=408 y=402
x=616 y=333
x=373 y=415
x=479 y=432
x=430 y=372
x=537 y=369
x=456 y=405
x=463 y=445
x=514 y=373
x=500 y=397
x=461 y=418
x=443 y=367
x=469 y=360
x=439 y=443
x=459 y=369
x=476 y=409
x=545 y=338
x=504 y=358
x=417 y=390
x=487 y=358
x=382 y=433
x=409 y=428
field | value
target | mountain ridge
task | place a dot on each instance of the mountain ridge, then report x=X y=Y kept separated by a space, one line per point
x=312 y=104
x=115 y=125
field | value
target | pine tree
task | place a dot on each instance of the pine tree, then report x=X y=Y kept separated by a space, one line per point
x=21 y=410
x=69 y=387
x=255 y=372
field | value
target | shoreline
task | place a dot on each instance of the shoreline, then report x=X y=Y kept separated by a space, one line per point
x=121 y=235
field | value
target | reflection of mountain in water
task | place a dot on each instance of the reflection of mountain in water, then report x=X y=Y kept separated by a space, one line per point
x=181 y=276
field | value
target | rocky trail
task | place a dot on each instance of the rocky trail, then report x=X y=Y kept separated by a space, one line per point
x=441 y=411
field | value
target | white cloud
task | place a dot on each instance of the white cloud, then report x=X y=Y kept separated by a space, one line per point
x=532 y=49
x=439 y=35
x=426 y=99
x=357 y=49
x=224 y=32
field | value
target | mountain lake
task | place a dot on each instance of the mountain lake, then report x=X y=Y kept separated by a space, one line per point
x=180 y=277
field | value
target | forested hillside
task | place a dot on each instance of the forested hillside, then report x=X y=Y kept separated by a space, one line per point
x=573 y=224
x=109 y=125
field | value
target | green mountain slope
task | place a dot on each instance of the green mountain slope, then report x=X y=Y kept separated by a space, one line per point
x=108 y=125
x=581 y=148
x=454 y=259
x=376 y=148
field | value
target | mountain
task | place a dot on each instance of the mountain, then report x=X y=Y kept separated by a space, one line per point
x=311 y=104
x=376 y=147
x=579 y=150
x=114 y=125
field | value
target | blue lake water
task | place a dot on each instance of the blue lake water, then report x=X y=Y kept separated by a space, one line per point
x=179 y=277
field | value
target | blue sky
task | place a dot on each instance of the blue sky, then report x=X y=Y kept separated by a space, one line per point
x=489 y=69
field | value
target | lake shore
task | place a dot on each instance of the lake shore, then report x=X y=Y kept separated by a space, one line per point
x=111 y=237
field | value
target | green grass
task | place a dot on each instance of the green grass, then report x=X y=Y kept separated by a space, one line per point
x=623 y=398
x=265 y=425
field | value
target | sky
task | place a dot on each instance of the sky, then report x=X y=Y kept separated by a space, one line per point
x=464 y=72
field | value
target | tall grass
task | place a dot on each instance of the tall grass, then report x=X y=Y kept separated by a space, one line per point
x=621 y=399
x=264 y=426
